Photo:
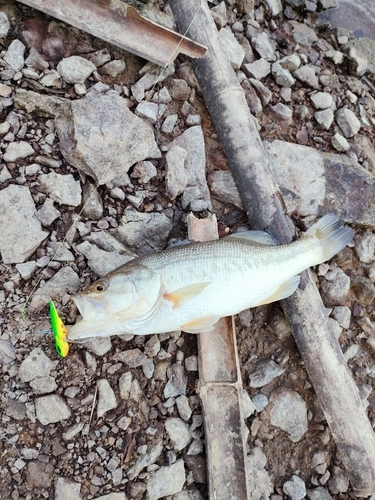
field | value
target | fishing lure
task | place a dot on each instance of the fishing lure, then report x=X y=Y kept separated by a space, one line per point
x=59 y=331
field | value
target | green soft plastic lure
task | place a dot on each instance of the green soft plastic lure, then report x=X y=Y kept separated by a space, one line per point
x=59 y=331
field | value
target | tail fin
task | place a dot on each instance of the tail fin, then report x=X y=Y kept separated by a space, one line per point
x=331 y=234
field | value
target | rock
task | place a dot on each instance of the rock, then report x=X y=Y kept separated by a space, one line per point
x=75 y=69
x=99 y=345
x=190 y=494
x=106 y=398
x=20 y=229
x=262 y=44
x=5 y=175
x=260 y=401
x=100 y=261
x=166 y=481
x=311 y=181
x=219 y=14
x=348 y=122
x=281 y=112
x=143 y=232
x=306 y=74
x=43 y=385
x=365 y=47
x=150 y=110
x=342 y=315
x=340 y=143
x=263 y=92
x=44 y=105
x=113 y=68
x=145 y=461
x=62 y=189
x=4 y=24
x=7 y=351
x=72 y=431
x=14 y=55
x=319 y=493
x=35 y=365
x=48 y=213
x=169 y=123
x=101 y=137
x=303 y=35
x=113 y=496
x=184 y=408
x=125 y=384
x=336 y=287
x=178 y=432
x=176 y=173
x=39 y=475
x=51 y=78
x=275 y=7
x=295 y=488
x=321 y=100
x=282 y=76
x=64 y=281
x=17 y=150
x=92 y=202
x=59 y=252
x=252 y=99
x=264 y=371
x=51 y=409
x=179 y=89
x=258 y=69
x=132 y=357
x=290 y=63
x=259 y=481
x=324 y=118
x=67 y=490
x=231 y=48
x=248 y=406
x=364 y=289
x=338 y=482
x=336 y=56
x=293 y=423
x=357 y=62
x=192 y=141
x=365 y=246
x=177 y=381
x=144 y=171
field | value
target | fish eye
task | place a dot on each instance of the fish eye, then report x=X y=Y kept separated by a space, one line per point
x=101 y=286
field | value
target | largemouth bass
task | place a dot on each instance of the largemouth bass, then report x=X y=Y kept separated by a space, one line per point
x=191 y=286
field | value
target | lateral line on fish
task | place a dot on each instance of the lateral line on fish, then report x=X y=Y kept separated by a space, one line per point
x=120 y=143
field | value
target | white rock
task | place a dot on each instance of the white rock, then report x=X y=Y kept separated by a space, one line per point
x=324 y=118
x=63 y=189
x=166 y=481
x=150 y=110
x=43 y=385
x=14 y=55
x=262 y=44
x=113 y=496
x=106 y=398
x=35 y=365
x=183 y=407
x=101 y=261
x=282 y=76
x=340 y=143
x=275 y=6
x=67 y=490
x=321 y=100
x=178 y=432
x=295 y=488
x=48 y=213
x=336 y=56
x=258 y=69
x=169 y=123
x=259 y=481
x=176 y=173
x=293 y=423
x=125 y=384
x=75 y=69
x=291 y=63
x=51 y=409
x=231 y=48
x=365 y=246
x=5 y=175
x=342 y=315
x=51 y=78
x=17 y=150
x=4 y=24
x=348 y=122
x=7 y=352
x=99 y=345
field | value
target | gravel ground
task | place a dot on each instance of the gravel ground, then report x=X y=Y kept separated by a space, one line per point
x=100 y=163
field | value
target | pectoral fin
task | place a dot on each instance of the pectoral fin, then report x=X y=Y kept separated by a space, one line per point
x=282 y=291
x=201 y=324
x=178 y=297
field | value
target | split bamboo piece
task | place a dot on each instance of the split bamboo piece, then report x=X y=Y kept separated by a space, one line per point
x=318 y=346
x=221 y=394
x=120 y=24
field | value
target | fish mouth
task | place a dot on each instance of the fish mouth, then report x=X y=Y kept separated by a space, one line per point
x=89 y=309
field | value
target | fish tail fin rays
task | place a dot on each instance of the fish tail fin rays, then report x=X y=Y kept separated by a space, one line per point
x=331 y=236
x=284 y=290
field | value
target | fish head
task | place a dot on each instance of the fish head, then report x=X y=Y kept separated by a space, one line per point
x=113 y=299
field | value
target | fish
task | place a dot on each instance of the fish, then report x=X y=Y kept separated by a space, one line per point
x=59 y=331
x=190 y=287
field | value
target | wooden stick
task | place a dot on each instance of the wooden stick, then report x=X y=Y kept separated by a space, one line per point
x=319 y=348
x=221 y=393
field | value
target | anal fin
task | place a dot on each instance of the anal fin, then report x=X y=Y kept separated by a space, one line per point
x=284 y=290
x=201 y=324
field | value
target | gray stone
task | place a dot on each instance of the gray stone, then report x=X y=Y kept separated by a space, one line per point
x=348 y=122
x=336 y=56
x=143 y=232
x=64 y=281
x=145 y=461
x=75 y=69
x=43 y=385
x=321 y=100
x=259 y=481
x=162 y=97
x=319 y=493
x=51 y=78
x=17 y=150
x=342 y=315
x=48 y=213
x=191 y=363
x=5 y=175
x=306 y=74
x=303 y=35
x=248 y=406
x=338 y=482
x=99 y=345
x=176 y=173
x=4 y=24
x=263 y=92
x=7 y=352
x=150 y=110
x=15 y=55
x=295 y=488
x=178 y=432
x=275 y=7
x=59 y=252
x=144 y=171
x=44 y=105
x=231 y=48
x=336 y=287
x=67 y=490
x=92 y=202
x=357 y=62
x=282 y=112
x=258 y=69
x=39 y=475
x=264 y=371
x=62 y=189
x=26 y=269
x=125 y=385
x=184 y=408
x=192 y=141
x=263 y=45
x=113 y=496
x=152 y=346
x=177 y=381
x=340 y=143
x=51 y=409
x=132 y=357
x=100 y=136
x=179 y=90
x=364 y=46
x=169 y=123
x=106 y=398
x=291 y=63
x=282 y=76
x=101 y=261
x=189 y=494
x=166 y=481
x=294 y=423
x=113 y=68
x=365 y=246
x=260 y=401
x=35 y=365
x=20 y=229
x=72 y=431
x=324 y=118
x=146 y=82
x=220 y=15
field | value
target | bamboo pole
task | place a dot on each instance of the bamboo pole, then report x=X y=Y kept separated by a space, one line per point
x=318 y=346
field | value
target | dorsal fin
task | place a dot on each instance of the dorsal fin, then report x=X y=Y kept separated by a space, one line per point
x=255 y=237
